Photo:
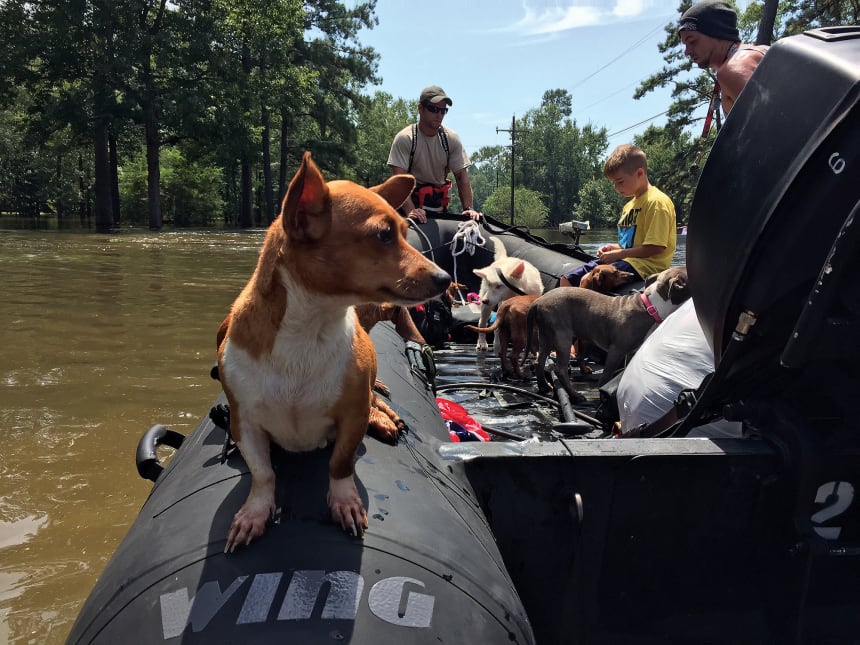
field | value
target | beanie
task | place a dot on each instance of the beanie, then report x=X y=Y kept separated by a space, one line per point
x=715 y=18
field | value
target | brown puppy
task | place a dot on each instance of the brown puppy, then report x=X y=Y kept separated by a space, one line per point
x=510 y=327
x=617 y=324
x=296 y=366
x=605 y=277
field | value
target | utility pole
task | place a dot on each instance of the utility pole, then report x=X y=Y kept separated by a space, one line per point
x=513 y=132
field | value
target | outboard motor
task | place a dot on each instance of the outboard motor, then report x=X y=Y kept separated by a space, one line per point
x=773 y=233
x=773 y=258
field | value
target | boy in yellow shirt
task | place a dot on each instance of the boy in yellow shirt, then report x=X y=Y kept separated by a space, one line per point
x=646 y=228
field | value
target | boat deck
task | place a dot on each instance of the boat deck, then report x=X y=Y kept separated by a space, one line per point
x=512 y=407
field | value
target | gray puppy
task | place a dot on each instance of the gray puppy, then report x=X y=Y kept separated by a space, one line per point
x=616 y=324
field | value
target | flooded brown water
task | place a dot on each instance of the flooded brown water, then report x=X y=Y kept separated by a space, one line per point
x=101 y=336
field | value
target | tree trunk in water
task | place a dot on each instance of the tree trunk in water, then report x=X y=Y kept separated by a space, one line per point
x=61 y=207
x=153 y=170
x=246 y=193
x=765 y=27
x=83 y=195
x=268 y=198
x=114 y=176
x=104 y=212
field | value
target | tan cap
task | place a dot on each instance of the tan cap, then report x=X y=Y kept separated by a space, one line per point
x=434 y=94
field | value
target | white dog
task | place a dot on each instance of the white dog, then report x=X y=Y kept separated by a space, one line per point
x=505 y=278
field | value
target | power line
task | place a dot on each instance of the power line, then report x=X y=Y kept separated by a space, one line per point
x=609 y=96
x=636 y=125
x=623 y=53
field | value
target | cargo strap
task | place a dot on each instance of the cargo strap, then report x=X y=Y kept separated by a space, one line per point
x=713 y=106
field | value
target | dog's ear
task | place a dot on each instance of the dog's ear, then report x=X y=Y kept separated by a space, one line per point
x=586 y=281
x=679 y=288
x=518 y=272
x=306 y=211
x=396 y=189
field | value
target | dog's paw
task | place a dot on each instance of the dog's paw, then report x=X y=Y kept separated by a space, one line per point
x=383 y=427
x=481 y=347
x=384 y=423
x=346 y=507
x=249 y=523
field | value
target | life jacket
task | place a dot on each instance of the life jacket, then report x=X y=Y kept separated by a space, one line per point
x=428 y=196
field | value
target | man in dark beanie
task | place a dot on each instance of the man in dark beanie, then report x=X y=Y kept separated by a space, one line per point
x=709 y=31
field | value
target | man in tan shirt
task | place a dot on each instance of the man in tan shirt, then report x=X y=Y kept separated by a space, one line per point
x=429 y=152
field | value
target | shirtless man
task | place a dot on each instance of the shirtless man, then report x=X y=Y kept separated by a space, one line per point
x=709 y=31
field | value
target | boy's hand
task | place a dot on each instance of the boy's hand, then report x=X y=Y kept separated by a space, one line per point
x=606 y=254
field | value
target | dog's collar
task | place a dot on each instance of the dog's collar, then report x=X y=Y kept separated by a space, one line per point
x=510 y=286
x=650 y=308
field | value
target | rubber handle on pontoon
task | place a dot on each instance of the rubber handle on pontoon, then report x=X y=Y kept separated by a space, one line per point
x=148 y=465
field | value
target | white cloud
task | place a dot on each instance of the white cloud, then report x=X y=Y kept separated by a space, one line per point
x=629 y=8
x=563 y=15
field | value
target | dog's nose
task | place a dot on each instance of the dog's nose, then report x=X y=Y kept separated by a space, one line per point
x=441 y=280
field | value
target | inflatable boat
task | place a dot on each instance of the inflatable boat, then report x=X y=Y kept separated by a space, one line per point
x=635 y=540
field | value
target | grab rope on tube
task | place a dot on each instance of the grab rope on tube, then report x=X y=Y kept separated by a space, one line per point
x=467 y=238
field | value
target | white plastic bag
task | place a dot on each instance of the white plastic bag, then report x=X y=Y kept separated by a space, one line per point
x=676 y=356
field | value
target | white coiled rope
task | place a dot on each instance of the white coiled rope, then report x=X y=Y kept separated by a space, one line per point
x=467 y=238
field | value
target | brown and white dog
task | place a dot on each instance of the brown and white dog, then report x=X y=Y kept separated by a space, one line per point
x=510 y=327
x=296 y=366
x=616 y=324
x=605 y=277
x=505 y=278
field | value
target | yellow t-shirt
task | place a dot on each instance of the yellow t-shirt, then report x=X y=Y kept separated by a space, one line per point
x=649 y=219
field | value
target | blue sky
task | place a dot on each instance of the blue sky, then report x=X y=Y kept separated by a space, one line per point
x=496 y=58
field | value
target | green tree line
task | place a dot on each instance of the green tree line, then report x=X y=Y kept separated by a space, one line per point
x=197 y=111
